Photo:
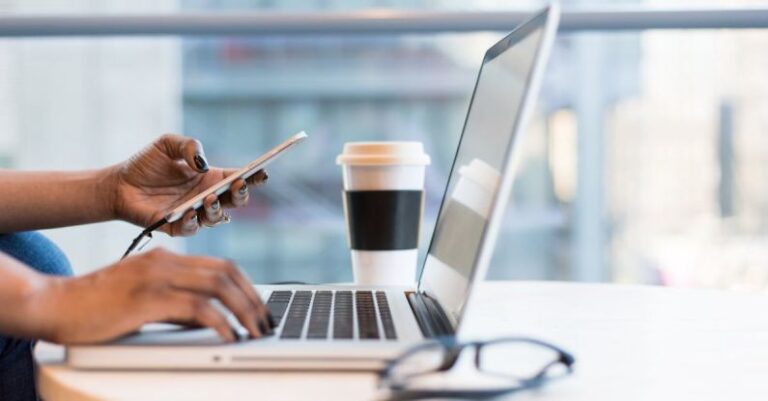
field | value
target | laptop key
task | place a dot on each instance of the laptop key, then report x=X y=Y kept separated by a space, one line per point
x=319 y=318
x=277 y=304
x=367 y=327
x=385 y=314
x=342 y=315
x=297 y=314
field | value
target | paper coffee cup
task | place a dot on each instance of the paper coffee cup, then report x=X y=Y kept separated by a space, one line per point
x=383 y=207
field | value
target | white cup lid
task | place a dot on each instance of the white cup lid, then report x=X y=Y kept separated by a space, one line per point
x=383 y=153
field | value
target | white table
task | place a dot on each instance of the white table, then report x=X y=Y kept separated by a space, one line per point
x=631 y=343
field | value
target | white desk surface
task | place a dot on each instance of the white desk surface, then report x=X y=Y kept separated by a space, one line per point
x=630 y=342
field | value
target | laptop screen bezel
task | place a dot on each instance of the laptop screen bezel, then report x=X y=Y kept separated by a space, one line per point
x=546 y=20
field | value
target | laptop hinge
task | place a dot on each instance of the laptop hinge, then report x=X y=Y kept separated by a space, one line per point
x=430 y=316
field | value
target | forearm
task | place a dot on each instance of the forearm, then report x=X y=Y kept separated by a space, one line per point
x=20 y=289
x=38 y=200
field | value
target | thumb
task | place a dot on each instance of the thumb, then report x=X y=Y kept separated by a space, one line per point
x=182 y=147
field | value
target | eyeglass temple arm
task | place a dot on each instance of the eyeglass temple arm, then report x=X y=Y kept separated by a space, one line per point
x=564 y=358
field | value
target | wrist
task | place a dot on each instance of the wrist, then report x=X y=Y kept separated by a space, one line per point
x=42 y=305
x=106 y=184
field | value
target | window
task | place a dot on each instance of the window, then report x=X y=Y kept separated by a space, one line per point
x=645 y=163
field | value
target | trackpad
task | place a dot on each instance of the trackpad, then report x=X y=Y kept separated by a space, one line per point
x=171 y=334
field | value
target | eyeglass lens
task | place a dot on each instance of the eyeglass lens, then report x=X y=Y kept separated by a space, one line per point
x=520 y=360
x=424 y=360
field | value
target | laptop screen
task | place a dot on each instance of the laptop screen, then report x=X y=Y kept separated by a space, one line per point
x=476 y=175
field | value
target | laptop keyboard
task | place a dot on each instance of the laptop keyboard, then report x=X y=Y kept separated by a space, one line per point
x=278 y=304
x=318 y=315
x=319 y=320
x=366 y=315
x=294 y=321
x=342 y=316
x=386 y=316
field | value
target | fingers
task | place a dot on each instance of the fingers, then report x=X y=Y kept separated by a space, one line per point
x=219 y=285
x=186 y=226
x=212 y=210
x=259 y=178
x=179 y=147
x=237 y=196
x=237 y=276
x=239 y=193
x=197 y=309
x=180 y=289
x=245 y=285
x=223 y=280
x=264 y=319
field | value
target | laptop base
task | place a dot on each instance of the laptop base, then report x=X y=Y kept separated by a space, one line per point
x=170 y=347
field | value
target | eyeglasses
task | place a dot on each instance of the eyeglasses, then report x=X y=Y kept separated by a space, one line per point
x=505 y=365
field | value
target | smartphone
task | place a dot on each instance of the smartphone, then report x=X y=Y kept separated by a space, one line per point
x=245 y=172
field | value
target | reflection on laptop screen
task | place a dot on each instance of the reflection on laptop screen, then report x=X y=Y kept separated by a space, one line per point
x=476 y=173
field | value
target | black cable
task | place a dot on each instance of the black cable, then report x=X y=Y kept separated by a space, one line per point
x=146 y=233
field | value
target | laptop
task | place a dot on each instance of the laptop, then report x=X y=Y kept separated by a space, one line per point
x=351 y=327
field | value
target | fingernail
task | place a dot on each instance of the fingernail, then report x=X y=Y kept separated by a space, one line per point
x=215 y=205
x=243 y=190
x=192 y=222
x=200 y=162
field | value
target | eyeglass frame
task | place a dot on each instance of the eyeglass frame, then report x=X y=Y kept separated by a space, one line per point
x=453 y=350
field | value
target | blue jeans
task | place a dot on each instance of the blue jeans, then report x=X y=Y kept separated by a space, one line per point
x=17 y=366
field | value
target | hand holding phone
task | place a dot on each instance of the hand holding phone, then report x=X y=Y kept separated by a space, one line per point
x=218 y=188
x=245 y=172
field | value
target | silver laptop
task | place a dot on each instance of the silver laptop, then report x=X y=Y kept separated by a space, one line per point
x=353 y=327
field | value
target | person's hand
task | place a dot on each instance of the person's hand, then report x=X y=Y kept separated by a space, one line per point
x=168 y=172
x=156 y=286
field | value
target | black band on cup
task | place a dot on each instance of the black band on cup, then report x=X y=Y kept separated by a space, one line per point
x=383 y=220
